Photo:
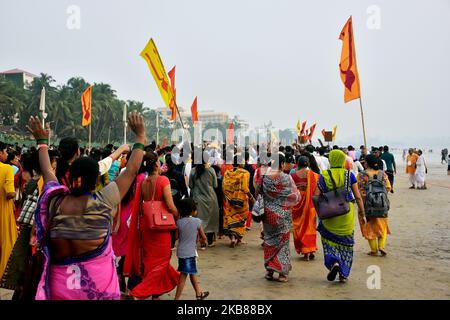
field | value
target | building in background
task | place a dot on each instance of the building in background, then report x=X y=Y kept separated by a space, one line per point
x=19 y=77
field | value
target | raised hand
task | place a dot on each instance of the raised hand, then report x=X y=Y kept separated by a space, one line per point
x=136 y=123
x=35 y=128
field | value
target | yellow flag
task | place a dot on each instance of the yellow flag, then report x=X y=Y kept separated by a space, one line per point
x=298 y=127
x=334 y=133
x=151 y=55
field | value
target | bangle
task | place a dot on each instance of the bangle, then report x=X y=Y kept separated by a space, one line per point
x=138 y=146
x=42 y=141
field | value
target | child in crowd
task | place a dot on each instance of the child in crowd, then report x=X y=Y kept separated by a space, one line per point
x=189 y=227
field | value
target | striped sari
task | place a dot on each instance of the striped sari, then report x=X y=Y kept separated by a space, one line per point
x=304 y=214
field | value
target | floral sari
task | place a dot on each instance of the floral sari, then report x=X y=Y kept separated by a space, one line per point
x=279 y=195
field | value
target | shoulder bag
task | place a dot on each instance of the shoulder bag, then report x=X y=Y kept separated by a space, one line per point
x=334 y=202
x=155 y=215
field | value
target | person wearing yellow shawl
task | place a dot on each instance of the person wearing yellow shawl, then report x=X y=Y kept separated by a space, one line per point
x=338 y=232
x=235 y=186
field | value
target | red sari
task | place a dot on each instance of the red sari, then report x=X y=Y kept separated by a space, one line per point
x=304 y=214
x=158 y=276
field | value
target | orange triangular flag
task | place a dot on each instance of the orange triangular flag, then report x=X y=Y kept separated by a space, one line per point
x=173 y=115
x=347 y=66
x=311 y=132
x=86 y=106
x=172 y=81
x=194 y=112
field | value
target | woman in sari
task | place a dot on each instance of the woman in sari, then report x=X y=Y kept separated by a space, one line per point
x=73 y=225
x=202 y=182
x=337 y=232
x=236 y=183
x=279 y=195
x=8 y=229
x=149 y=251
x=304 y=213
x=376 y=229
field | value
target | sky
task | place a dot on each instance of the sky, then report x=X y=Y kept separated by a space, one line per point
x=264 y=60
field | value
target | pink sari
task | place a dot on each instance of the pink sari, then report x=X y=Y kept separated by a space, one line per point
x=91 y=277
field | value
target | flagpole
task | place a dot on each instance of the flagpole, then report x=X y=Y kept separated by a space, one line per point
x=179 y=114
x=124 y=123
x=90 y=138
x=362 y=120
x=157 y=128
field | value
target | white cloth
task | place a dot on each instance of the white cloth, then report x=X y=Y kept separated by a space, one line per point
x=384 y=165
x=104 y=165
x=187 y=172
x=357 y=167
x=324 y=163
x=420 y=172
x=412 y=179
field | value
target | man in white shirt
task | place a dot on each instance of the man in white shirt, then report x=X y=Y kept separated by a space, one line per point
x=324 y=164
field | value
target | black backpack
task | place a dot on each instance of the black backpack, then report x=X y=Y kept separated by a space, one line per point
x=376 y=204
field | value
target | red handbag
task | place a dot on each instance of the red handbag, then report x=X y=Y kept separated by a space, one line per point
x=155 y=215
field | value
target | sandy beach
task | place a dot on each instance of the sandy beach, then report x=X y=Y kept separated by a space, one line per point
x=417 y=265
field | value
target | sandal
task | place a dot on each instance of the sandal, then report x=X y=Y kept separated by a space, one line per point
x=203 y=295
x=269 y=275
x=333 y=272
x=342 y=279
x=383 y=253
x=373 y=254
x=311 y=256
x=233 y=243
x=282 y=278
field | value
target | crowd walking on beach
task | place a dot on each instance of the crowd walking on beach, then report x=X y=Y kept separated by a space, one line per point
x=78 y=224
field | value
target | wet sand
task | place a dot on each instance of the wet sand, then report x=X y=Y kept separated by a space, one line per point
x=417 y=265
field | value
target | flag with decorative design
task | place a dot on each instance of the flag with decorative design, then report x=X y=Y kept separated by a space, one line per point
x=86 y=106
x=334 y=133
x=194 y=112
x=155 y=64
x=347 y=67
x=298 y=127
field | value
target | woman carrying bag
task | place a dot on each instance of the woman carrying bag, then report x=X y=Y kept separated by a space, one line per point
x=147 y=262
x=337 y=231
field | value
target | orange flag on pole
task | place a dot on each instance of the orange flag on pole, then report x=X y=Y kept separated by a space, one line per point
x=172 y=107
x=86 y=106
x=311 y=132
x=194 y=112
x=347 y=66
x=302 y=130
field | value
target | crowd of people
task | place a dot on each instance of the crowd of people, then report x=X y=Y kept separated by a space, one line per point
x=103 y=223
